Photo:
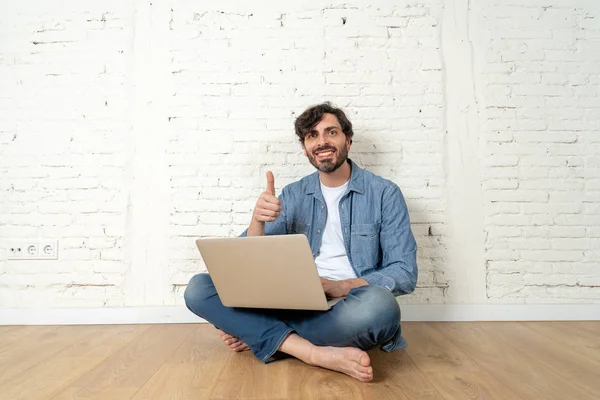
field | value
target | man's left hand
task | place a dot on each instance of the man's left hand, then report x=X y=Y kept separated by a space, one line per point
x=335 y=289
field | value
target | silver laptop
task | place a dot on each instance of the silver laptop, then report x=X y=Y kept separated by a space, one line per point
x=265 y=272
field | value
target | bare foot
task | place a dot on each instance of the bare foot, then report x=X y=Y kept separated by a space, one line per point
x=233 y=342
x=348 y=360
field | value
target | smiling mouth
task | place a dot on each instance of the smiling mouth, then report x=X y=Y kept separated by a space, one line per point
x=324 y=154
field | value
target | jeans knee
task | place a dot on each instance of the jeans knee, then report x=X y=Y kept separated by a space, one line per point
x=198 y=289
x=378 y=308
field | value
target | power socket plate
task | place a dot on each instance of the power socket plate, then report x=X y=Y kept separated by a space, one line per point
x=32 y=249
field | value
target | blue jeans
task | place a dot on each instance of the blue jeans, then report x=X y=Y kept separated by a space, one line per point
x=369 y=316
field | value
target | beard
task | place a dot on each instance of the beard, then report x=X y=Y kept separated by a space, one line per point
x=338 y=158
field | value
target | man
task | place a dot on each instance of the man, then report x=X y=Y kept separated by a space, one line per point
x=358 y=228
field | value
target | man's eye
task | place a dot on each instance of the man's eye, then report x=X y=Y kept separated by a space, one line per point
x=332 y=132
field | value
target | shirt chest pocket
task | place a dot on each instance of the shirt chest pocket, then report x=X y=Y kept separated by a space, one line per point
x=364 y=246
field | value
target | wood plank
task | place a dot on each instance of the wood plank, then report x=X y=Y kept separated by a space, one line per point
x=453 y=373
x=125 y=372
x=245 y=377
x=9 y=333
x=44 y=383
x=193 y=369
x=21 y=337
x=571 y=364
x=200 y=346
x=589 y=326
x=523 y=375
x=457 y=384
x=178 y=381
x=396 y=376
x=16 y=342
x=38 y=346
x=432 y=352
x=54 y=374
x=568 y=334
x=307 y=382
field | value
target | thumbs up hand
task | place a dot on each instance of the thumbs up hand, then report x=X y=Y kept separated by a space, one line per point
x=270 y=183
x=268 y=207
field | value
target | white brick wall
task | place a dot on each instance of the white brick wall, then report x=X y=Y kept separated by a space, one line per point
x=127 y=130
x=542 y=99
x=63 y=150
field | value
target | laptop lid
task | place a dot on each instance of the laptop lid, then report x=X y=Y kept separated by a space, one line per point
x=264 y=272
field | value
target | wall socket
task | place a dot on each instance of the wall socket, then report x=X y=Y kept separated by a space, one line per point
x=32 y=249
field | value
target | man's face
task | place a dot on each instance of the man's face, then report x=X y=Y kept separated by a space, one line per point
x=326 y=146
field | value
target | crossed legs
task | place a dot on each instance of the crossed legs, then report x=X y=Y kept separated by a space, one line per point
x=334 y=339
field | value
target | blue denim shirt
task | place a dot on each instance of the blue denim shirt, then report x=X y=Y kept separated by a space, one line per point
x=375 y=226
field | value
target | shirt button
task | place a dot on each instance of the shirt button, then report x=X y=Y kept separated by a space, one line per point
x=322 y=207
x=318 y=231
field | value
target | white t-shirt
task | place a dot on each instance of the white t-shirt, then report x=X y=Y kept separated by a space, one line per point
x=332 y=261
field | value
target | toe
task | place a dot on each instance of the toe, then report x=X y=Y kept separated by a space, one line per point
x=364 y=370
x=364 y=360
x=364 y=377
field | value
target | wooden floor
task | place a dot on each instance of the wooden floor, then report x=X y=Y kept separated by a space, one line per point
x=492 y=360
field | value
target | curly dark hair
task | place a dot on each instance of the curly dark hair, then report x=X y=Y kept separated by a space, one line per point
x=311 y=117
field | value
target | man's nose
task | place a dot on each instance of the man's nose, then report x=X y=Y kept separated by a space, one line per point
x=321 y=140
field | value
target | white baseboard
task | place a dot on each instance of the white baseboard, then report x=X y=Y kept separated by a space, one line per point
x=512 y=312
x=170 y=315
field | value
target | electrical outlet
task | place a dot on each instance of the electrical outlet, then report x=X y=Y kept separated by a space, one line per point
x=36 y=249
x=31 y=251
x=15 y=251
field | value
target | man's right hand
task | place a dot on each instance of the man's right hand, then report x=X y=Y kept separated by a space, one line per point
x=267 y=209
